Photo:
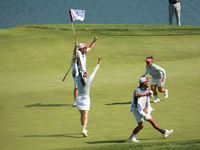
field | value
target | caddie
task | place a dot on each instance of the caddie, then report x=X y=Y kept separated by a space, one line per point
x=80 y=52
x=83 y=49
x=141 y=109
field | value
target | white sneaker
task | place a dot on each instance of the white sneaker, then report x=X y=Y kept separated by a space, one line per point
x=166 y=94
x=156 y=100
x=167 y=132
x=84 y=132
x=133 y=139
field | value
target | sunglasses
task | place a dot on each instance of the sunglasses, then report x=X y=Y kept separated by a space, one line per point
x=150 y=57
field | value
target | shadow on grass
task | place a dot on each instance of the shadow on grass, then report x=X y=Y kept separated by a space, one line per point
x=48 y=105
x=119 y=103
x=119 y=141
x=157 y=102
x=113 y=141
x=149 y=139
x=126 y=103
x=72 y=135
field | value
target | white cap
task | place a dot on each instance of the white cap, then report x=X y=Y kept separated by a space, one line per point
x=144 y=79
x=82 y=45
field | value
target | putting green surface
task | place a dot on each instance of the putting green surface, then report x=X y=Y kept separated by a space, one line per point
x=36 y=105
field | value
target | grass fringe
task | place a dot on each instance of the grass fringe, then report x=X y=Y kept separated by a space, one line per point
x=175 y=145
x=124 y=30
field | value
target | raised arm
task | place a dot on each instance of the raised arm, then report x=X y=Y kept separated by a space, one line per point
x=99 y=60
x=75 y=48
x=96 y=68
x=74 y=59
x=92 y=44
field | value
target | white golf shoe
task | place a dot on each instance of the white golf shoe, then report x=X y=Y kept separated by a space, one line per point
x=156 y=100
x=133 y=139
x=84 y=132
x=166 y=94
x=167 y=133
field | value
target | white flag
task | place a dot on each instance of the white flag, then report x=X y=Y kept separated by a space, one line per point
x=76 y=14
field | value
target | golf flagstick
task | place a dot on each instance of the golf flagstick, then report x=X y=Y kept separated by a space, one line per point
x=75 y=14
x=75 y=41
x=67 y=73
x=74 y=31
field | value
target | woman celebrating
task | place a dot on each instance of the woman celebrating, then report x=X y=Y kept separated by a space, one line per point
x=83 y=99
x=158 y=78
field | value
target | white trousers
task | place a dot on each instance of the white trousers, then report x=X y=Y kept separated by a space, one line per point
x=175 y=8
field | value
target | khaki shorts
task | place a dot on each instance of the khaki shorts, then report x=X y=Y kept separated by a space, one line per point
x=157 y=82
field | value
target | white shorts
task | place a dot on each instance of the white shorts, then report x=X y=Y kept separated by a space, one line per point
x=75 y=83
x=83 y=102
x=157 y=82
x=138 y=116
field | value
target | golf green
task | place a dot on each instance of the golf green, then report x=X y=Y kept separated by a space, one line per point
x=36 y=105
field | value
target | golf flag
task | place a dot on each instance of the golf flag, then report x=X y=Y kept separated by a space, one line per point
x=76 y=14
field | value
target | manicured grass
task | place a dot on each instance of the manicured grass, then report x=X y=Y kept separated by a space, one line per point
x=183 y=145
x=35 y=104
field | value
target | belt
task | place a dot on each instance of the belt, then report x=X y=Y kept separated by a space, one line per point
x=173 y=2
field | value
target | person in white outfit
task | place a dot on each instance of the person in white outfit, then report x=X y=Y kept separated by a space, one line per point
x=80 y=52
x=158 y=78
x=83 y=98
x=141 y=109
x=174 y=7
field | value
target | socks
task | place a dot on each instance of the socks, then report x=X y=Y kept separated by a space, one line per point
x=162 y=131
x=84 y=127
x=132 y=135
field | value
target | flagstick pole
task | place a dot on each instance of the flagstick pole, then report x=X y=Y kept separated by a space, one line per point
x=71 y=65
x=73 y=31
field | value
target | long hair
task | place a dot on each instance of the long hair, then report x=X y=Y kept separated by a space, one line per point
x=82 y=79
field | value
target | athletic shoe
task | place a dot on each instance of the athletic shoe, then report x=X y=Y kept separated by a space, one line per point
x=167 y=132
x=84 y=132
x=166 y=94
x=133 y=139
x=74 y=105
x=156 y=100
